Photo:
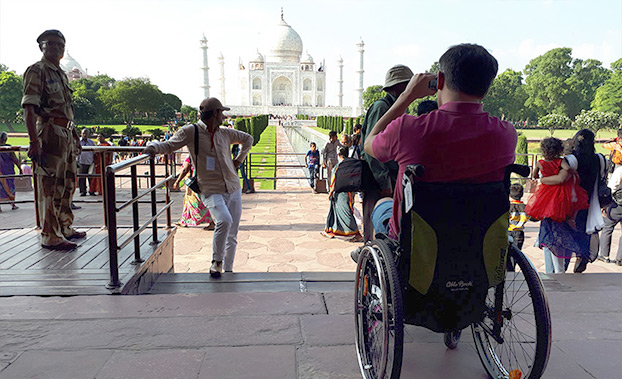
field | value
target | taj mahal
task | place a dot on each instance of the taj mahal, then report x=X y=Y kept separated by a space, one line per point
x=283 y=81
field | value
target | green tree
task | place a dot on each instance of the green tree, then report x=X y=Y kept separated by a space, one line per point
x=435 y=68
x=554 y=121
x=131 y=96
x=172 y=100
x=186 y=109
x=10 y=96
x=586 y=77
x=166 y=112
x=83 y=110
x=596 y=120
x=521 y=148
x=506 y=96
x=608 y=97
x=107 y=131
x=131 y=131
x=193 y=116
x=92 y=89
x=371 y=95
x=156 y=133
x=546 y=81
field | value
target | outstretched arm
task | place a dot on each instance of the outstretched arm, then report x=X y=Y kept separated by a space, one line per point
x=562 y=176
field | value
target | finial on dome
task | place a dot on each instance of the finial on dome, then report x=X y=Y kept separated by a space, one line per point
x=282 y=14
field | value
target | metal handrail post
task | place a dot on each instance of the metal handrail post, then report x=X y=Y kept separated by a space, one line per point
x=137 y=258
x=102 y=164
x=154 y=209
x=167 y=193
x=111 y=215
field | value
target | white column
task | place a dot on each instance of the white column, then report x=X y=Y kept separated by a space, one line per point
x=340 y=82
x=358 y=108
x=221 y=60
x=205 y=68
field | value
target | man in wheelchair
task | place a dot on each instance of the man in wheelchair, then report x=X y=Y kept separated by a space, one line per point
x=444 y=265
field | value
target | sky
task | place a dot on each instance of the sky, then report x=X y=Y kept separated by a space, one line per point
x=159 y=39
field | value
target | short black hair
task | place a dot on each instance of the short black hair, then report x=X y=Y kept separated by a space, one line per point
x=516 y=191
x=551 y=148
x=426 y=106
x=357 y=127
x=343 y=151
x=312 y=144
x=469 y=69
x=332 y=133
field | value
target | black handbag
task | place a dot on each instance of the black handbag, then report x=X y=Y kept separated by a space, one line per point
x=192 y=182
x=604 y=192
x=353 y=175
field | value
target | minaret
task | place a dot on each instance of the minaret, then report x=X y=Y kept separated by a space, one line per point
x=358 y=109
x=340 y=81
x=221 y=60
x=205 y=68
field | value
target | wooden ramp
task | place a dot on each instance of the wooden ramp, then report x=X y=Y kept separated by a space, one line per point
x=26 y=268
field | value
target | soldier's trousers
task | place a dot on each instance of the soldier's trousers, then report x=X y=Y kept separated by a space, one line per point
x=56 y=181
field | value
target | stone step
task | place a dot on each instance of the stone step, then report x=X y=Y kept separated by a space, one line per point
x=184 y=283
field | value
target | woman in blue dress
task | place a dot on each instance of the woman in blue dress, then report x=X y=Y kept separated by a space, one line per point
x=559 y=238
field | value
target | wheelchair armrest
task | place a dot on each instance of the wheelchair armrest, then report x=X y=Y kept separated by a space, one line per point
x=520 y=169
x=416 y=170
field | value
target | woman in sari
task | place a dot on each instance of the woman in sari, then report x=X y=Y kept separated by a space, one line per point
x=7 y=161
x=194 y=212
x=340 y=221
x=96 y=186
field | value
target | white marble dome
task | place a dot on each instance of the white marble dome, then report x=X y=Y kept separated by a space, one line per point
x=308 y=58
x=286 y=44
x=68 y=64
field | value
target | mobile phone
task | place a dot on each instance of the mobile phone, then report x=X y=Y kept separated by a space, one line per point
x=432 y=84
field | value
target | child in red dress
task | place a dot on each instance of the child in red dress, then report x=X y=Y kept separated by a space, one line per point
x=558 y=202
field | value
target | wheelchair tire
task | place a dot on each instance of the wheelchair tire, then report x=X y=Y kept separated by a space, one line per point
x=379 y=314
x=526 y=329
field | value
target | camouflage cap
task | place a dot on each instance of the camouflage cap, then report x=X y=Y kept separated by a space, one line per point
x=50 y=32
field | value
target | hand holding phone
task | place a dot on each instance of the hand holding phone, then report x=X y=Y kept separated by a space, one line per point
x=432 y=84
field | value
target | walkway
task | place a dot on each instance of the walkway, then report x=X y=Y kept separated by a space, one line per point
x=297 y=335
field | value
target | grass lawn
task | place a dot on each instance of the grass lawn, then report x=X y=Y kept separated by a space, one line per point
x=21 y=128
x=264 y=165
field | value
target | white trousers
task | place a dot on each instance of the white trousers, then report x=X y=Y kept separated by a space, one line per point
x=226 y=210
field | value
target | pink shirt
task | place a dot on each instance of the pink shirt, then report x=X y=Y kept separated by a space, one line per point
x=459 y=142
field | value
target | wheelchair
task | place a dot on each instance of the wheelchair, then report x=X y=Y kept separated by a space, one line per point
x=452 y=268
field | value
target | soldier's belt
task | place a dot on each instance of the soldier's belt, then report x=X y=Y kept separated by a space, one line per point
x=63 y=122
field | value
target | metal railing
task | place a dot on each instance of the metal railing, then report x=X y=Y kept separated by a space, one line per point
x=114 y=246
x=532 y=158
x=249 y=164
x=103 y=150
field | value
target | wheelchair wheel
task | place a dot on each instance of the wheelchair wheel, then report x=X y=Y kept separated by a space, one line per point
x=515 y=335
x=379 y=315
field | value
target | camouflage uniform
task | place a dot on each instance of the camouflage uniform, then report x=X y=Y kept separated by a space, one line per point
x=46 y=87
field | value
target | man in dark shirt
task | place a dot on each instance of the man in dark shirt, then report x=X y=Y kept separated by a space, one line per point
x=385 y=174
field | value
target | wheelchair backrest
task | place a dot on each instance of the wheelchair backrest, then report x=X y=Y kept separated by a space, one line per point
x=457 y=238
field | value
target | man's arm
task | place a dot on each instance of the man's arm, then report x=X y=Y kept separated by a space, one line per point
x=34 y=150
x=245 y=139
x=417 y=88
x=177 y=141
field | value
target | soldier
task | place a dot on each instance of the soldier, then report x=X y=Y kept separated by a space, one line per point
x=54 y=143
